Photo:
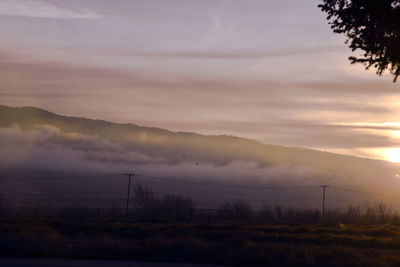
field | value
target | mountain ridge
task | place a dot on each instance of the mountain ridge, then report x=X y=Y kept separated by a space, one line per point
x=29 y=117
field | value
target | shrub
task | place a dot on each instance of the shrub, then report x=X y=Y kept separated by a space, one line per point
x=145 y=202
x=235 y=210
x=177 y=208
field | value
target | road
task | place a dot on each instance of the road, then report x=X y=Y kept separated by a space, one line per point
x=11 y=262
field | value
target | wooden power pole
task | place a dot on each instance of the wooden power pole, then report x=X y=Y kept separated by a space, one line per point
x=130 y=175
x=323 y=198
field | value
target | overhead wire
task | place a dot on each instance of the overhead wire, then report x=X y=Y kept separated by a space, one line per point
x=57 y=178
x=174 y=180
x=224 y=185
x=354 y=190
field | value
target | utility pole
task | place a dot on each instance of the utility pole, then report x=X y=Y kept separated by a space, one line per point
x=323 y=198
x=129 y=190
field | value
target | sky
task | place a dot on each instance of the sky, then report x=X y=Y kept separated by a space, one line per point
x=268 y=70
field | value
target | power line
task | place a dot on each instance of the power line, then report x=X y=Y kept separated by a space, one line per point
x=59 y=178
x=358 y=203
x=294 y=199
x=151 y=177
x=355 y=190
x=340 y=200
x=65 y=197
x=224 y=185
x=173 y=180
x=229 y=198
x=45 y=194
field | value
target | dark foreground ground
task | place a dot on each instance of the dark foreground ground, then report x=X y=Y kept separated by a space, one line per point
x=244 y=244
x=14 y=262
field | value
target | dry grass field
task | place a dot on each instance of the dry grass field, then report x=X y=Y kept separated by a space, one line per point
x=245 y=244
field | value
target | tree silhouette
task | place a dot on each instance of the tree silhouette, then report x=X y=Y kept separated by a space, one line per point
x=372 y=26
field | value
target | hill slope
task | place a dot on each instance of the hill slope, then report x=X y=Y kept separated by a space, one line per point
x=152 y=141
x=37 y=139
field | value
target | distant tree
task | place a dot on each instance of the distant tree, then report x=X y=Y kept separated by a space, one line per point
x=171 y=207
x=235 y=210
x=145 y=202
x=5 y=207
x=372 y=26
x=177 y=208
x=383 y=211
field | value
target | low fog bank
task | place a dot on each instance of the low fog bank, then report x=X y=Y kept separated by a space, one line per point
x=56 y=146
x=47 y=152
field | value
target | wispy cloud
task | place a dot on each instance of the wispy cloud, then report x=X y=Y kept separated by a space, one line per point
x=227 y=55
x=42 y=9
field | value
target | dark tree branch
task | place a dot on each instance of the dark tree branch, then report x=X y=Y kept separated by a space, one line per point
x=372 y=26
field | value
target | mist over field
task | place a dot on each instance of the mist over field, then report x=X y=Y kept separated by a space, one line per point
x=37 y=143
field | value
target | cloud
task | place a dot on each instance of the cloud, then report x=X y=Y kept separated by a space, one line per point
x=43 y=9
x=47 y=147
x=226 y=55
x=308 y=133
x=277 y=112
x=348 y=87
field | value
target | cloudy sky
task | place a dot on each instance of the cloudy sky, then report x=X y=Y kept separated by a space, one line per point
x=268 y=70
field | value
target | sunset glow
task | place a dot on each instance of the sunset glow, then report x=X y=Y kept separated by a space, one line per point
x=392 y=154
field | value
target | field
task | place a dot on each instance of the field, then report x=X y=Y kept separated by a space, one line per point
x=247 y=244
x=171 y=229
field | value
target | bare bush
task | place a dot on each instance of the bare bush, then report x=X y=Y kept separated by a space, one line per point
x=145 y=203
x=352 y=214
x=171 y=207
x=144 y=197
x=235 y=210
x=5 y=207
x=383 y=211
x=278 y=210
x=176 y=208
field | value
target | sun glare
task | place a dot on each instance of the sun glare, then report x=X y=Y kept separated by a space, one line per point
x=392 y=154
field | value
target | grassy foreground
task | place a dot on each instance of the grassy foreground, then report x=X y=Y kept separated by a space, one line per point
x=221 y=243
